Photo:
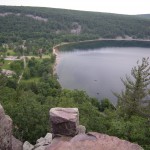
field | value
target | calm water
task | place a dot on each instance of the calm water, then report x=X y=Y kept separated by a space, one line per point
x=98 y=71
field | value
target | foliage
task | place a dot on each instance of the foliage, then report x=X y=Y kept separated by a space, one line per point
x=135 y=129
x=38 y=68
x=29 y=101
x=17 y=66
x=134 y=100
x=3 y=80
x=105 y=104
x=39 y=34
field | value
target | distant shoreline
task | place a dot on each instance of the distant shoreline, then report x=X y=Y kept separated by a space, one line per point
x=56 y=47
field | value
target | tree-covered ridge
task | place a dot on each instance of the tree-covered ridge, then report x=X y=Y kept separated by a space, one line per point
x=61 y=25
x=146 y=16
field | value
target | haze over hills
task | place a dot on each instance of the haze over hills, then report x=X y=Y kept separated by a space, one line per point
x=57 y=25
x=147 y=16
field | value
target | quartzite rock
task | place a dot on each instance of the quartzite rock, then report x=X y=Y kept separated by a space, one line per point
x=65 y=121
x=81 y=129
x=93 y=141
x=27 y=146
x=16 y=144
x=7 y=140
x=40 y=143
x=5 y=131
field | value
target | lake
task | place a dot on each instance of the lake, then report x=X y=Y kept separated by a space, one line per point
x=98 y=70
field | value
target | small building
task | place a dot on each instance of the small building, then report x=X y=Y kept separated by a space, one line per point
x=8 y=73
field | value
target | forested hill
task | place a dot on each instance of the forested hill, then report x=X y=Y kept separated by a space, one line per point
x=51 y=26
x=146 y=16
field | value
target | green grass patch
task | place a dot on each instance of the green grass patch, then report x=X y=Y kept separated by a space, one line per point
x=46 y=56
x=6 y=64
x=11 y=53
x=34 y=79
x=37 y=57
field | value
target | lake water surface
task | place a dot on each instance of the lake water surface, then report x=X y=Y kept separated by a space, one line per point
x=98 y=71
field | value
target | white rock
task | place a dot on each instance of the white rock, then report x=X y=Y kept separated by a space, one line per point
x=44 y=141
x=48 y=138
x=40 y=148
x=27 y=146
x=40 y=140
x=81 y=129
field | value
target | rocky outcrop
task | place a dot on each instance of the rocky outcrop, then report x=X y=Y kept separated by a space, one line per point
x=81 y=129
x=64 y=121
x=76 y=28
x=93 y=141
x=16 y=144
x=7 y=141
x=5 y=131
x=43 y=142
x=27 y=146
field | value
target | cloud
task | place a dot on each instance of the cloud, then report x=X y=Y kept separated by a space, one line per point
x=112 y=6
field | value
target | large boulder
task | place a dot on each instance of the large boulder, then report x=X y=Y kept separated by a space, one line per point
x=64 y=121
x=93 y=141
x=7 y=140
x=5 y=131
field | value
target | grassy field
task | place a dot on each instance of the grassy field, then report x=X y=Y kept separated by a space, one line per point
x=37 y=57
x=35 y=79
x=6 y=64
x=11 y=52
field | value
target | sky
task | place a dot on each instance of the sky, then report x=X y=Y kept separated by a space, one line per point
x=130 y=7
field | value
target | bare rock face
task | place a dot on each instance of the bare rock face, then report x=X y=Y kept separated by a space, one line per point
x=93 y=141
x=81 y=129
x=27 y=146
x=43 y=142
x=7 y=141
x=5 y=131
x=65 y=121
x=16 y=144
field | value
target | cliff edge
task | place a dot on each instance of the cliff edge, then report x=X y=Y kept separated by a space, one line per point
x=66 y=134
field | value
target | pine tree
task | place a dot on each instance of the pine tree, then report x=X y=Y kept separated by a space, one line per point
x=135 y=99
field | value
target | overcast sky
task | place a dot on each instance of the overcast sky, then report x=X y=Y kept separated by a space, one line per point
x=112 y=6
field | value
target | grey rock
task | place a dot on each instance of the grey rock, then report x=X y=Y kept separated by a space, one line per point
x=81 y=129
x=44 y=141
x=40 y=148
x=16 y=144
x=2 y=113
x=27 y=146
x=65 y=121
x=93 y=141
x=48 y=138
x=7 y=140
x=40 y=140
x=5 y=131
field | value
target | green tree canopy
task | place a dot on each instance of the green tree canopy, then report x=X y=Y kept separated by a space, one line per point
x=135 y=99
